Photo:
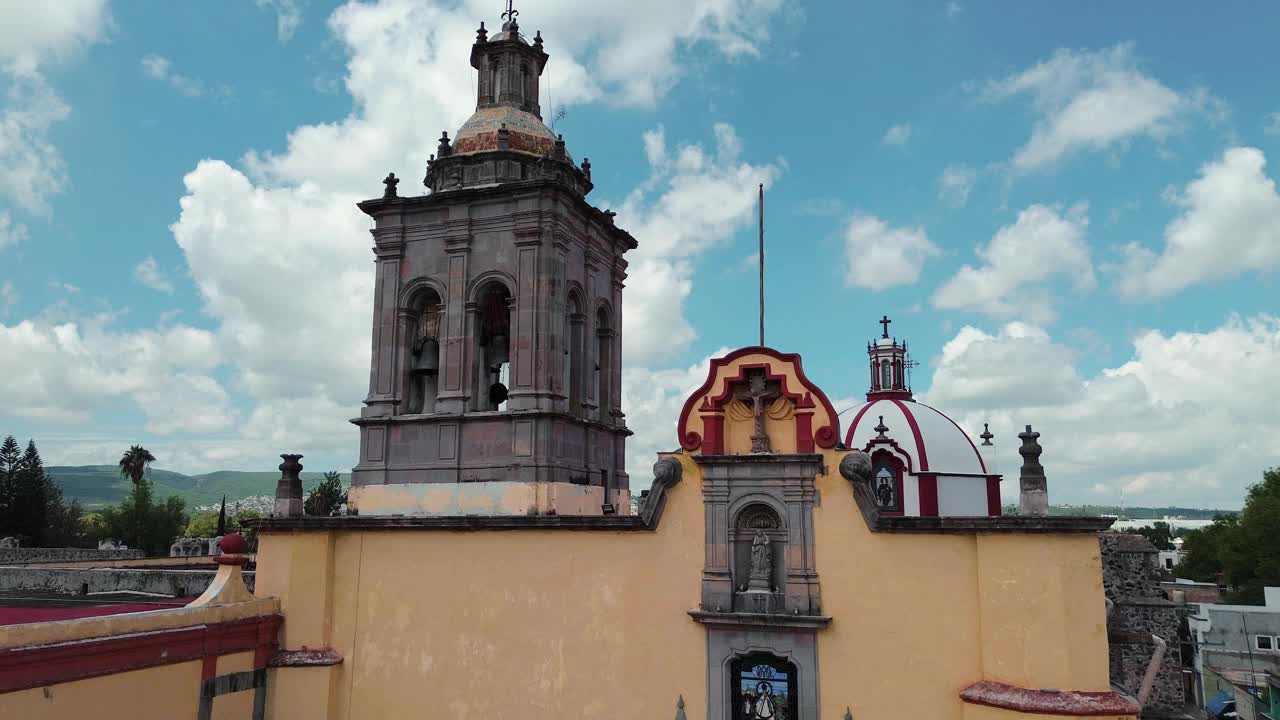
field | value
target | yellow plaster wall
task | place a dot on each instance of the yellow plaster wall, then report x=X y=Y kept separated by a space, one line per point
x=919 y=617
x=164 y=692
x=552 y=624
x=237 y=705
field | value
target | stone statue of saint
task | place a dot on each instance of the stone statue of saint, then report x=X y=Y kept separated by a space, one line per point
x=761 y=562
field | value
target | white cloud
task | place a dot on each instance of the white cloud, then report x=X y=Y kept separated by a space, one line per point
x=8 y=297
x=1230 y=224
x=288 y=16
x=33 y=34
x=879 y=256
x=31 y=169
x=954 y=9
x=148 y=273
x=1187 y=420
x=652 y=400
x=1091 y=100
x=692 y=200
x=11 y=233
x=897 y=135
x=62 y=372
x=161 y=68
x=955 y=183
x=1041 y=243
x=1273 y=124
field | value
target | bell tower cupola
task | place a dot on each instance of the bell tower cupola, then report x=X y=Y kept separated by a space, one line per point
x=890 y=366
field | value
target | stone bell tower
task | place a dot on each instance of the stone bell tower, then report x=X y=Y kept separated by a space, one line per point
x=496 y=371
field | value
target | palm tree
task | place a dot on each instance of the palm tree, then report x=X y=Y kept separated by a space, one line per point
x=134 y=463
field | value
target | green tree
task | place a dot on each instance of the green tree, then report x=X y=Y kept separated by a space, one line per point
x=1159 y=534
x=326 y=497
x=1202 y=550
x=134 y=463
x=1240 y=551
x=10 y=459
x=203 y=524
x=143 y=523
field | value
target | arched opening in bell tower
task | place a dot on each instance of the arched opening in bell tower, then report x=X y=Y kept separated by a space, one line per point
x=573 y=321
x=604 y=362
x=493 y=347
x=423 y=371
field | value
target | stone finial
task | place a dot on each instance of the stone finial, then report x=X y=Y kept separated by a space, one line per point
x=537 y=40
x=586 y=167
x=390 y=181
x=856 y=466
x=1033 y=497
x=680 y=708
x=610 y=215
x=986 y=435
x=444 y=149
x=482 y=35
x=228 y=586
x=881 y=428
x=504 y=137
x=559 y=152
x=288 y=489
x=848 y=714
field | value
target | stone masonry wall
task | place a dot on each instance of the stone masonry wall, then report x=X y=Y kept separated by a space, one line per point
x=1131 y=579
x=10 y=556
x=77 y=581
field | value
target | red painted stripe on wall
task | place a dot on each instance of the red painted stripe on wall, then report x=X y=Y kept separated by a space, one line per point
x=36 y=666
x=929 y=495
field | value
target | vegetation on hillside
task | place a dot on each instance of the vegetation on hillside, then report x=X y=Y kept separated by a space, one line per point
x=98 y=485
x=1241 y=552
x=32 y=507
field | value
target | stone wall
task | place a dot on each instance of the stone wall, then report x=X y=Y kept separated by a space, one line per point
x=77 y=581
x=1131 y=578
x=10 y=556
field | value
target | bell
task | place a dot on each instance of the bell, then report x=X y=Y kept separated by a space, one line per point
x=427 y=357
x=498 y=353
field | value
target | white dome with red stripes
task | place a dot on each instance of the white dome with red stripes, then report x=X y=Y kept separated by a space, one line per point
x=923 y=463
x=933 y=442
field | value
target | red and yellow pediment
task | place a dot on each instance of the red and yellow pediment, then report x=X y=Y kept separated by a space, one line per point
x=756 y=399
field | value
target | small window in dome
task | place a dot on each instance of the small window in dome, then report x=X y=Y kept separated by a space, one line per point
x=886 y=376
x=886 y=490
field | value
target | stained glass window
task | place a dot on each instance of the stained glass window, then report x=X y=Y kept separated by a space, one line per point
x=763 y=687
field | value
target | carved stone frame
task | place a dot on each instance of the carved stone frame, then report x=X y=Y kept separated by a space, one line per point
x=727 y=643
x=784 y=483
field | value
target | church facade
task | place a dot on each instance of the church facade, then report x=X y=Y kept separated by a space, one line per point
x=490 y=565
x=777 y=567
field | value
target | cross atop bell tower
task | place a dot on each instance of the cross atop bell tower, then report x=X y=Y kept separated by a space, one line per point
x=496 y=380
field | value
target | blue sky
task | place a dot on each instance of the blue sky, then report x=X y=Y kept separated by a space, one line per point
x=1067 y=210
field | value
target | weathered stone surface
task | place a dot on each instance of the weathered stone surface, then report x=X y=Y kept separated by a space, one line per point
x=19 y=555
x=76 y=581
x=1131 y=578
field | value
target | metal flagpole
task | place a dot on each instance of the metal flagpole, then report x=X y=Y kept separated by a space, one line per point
x=761 y=255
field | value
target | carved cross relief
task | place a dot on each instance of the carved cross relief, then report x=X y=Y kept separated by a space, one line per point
x=758 y=392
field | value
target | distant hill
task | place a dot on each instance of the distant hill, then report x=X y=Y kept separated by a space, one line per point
x=96 y=485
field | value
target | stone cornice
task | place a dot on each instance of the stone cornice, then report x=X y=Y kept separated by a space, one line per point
x=772 y=621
